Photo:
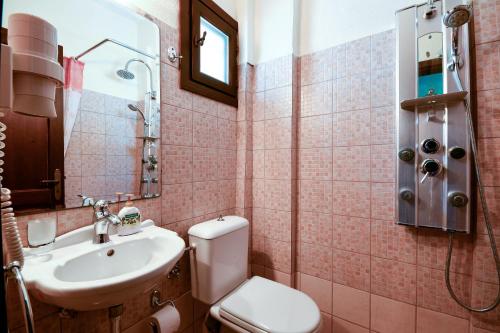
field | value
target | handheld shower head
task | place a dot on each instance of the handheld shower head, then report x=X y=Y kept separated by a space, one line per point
x=457 y=16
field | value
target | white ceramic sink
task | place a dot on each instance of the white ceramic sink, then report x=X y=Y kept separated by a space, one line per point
x=77 y=274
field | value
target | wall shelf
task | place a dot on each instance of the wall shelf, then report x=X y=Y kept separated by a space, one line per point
x=429 y=101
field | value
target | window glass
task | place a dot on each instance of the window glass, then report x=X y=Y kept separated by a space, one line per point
x=214 y=53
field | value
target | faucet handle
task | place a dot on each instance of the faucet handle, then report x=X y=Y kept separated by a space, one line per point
x=101 y=208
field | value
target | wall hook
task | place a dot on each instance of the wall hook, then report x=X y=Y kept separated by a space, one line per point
x=172 y=55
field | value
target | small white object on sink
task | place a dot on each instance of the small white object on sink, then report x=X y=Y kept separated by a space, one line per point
x=42 y=231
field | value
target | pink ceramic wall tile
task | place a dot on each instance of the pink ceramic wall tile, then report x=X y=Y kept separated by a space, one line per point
x=489 y=159
x=351 y=128
x=483 y=294
x=225 y=111
x=73 y=165
x=91 y=122
x=432 y=293
x=280 y=255
x=486 y=21
x=205 y=166
x=351 y=304
x=351 y=234
x=488 y=113
x=315 y=228
x=71 y=219
x=278 y=103
x=340 y=325
x=278 y=133
x=259 y=158
x=488 y=66
x=359 y=86
x=435 y=322
x=72 y=188
x=358 y=56
x=383 y=49
x=278 y=164
x=278 y=72
x=351 y=269
x=177 y=164
x=259 y=104
x=278 y=194
x=279 y=276
x=493 y=200
x=316 y=99
x=388 y=315
x=259 y=134
x=316 y=67
x=259 y=222
x=260 y=77
x=204 y=105
x=116 y=184
x=339 y=61
x=392 y=241
x=383 y=166
x=382 y=129
x=351 y=198
x=394 y=279
x=259 y=193
x=176 y=126
x=259 y=254
x=382 y=87
x=351 y=163
x=278 y=225
x=315 y=195
x=318 y=289
x=205 y=197
x=94 y=186
x=227 y=163
x=177 y=202
x=316 y=260
x=227 y=194
x=382 y=201
x=315 y=132
x=92 y=101
x=484 y=264
x=315 y=163
x=226 y=130
x=432 y=251
x=171 y=93
x=92 y=143
x=205 y=133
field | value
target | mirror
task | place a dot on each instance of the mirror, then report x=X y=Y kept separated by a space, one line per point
x=108 y=136
x=430 y=64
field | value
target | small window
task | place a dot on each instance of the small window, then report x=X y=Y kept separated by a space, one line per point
x=209 y=46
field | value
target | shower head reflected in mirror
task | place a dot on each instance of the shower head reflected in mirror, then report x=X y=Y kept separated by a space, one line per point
x=125 y=74
x=135 y=108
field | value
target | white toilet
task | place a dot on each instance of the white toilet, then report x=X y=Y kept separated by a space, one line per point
x=219 y=262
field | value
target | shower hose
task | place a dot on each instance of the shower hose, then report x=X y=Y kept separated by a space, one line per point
x=486 y=214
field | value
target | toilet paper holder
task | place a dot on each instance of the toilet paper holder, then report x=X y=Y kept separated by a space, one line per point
x=156 y=301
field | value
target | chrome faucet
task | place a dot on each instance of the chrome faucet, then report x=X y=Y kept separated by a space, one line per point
x=102 y=219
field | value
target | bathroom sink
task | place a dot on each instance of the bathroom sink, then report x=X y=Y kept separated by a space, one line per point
x=79 y=275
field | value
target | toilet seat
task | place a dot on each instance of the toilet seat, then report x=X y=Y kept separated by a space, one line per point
x=263 y=306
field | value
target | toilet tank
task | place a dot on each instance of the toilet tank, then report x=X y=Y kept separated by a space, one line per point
x=219 y=261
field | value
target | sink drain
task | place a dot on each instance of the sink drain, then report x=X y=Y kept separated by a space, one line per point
x=110 y=252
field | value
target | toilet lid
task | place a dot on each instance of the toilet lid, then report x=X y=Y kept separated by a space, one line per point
x=271 y=307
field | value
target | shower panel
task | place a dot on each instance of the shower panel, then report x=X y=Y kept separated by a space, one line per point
x=433 y=158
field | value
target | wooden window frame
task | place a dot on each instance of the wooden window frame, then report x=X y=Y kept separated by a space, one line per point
x=192 y=79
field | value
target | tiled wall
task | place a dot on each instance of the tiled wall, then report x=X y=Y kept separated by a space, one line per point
x=198 y=162
x=365 y=272
x=274 y=169
x=104 y=154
